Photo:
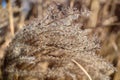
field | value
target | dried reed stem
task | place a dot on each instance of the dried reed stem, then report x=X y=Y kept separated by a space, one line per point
x=3 y=47
x=8 y=37
x=11 y=18
x=40 y=8
x=117 y=74
x=82 y=69
x=113 y=7
x=72 y=3
x=95 y=7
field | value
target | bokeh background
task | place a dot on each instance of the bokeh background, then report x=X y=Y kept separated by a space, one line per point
x=103 y=18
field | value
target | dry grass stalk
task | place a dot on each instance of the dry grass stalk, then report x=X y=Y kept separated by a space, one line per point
x=3 y=47
x=113 y=7
x=72 y=3
x=95 y=7
x=117 y=74
x=40 y=8
x=11 y=18
x=80 y=66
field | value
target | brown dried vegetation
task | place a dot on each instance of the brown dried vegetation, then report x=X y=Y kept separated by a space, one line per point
x=45 y=50
x=60 y=45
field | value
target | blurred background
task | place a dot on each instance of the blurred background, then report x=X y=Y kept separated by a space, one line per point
x=104 y=19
